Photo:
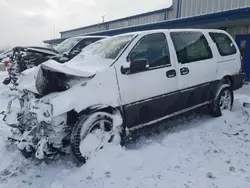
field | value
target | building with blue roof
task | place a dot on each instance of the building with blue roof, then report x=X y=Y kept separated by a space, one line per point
x=232 y=16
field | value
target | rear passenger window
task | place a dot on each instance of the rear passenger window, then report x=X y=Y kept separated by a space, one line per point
x=191 y=46
x=224 y=44
x=154 y=48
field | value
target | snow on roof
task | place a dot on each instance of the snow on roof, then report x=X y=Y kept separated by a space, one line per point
x=169 y=30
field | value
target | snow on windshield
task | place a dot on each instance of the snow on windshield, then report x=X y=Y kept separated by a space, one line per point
x=108 y=48
x=67 y=45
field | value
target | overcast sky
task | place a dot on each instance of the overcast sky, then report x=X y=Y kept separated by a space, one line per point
x=29 y=22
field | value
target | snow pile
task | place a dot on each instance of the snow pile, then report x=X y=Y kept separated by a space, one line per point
x=203 y=152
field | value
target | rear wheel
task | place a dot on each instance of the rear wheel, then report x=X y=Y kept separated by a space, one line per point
x=90 y=135
x=223 y=100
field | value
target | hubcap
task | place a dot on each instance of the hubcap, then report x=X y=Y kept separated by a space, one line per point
x=98 y=136
x=226 y=100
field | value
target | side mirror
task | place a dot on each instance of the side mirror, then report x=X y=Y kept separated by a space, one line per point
x=138 y=65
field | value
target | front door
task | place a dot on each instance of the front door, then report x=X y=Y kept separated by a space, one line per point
x=151 y=93
x=243 y=42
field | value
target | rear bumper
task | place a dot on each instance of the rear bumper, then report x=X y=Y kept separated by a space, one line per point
x=238 y=80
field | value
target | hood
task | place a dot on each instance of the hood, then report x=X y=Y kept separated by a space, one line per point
x=33 y=49
x=43 y=80
x=44 y=51
x=81 y=65
x=54 y=66
x=52 y=76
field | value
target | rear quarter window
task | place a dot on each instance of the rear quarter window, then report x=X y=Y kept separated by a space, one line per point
x=224 y=44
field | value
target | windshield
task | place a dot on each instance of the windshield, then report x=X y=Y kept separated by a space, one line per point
x=5 y=54
x=108 y=48
x=67 y=45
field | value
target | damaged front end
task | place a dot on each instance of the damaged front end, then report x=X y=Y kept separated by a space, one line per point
x=37 y=131
x=34 y=129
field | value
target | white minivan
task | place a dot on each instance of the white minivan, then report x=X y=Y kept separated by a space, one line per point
x=127 y=82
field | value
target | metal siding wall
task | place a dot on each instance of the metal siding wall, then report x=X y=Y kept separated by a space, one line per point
x=234 y=3
x=242 y=3
x=83 y=30
x=203 y=8
x=187 y=7
x=199 y=7
x=210 y=6
x=192 y=6
x=182 y=10
x=172 y=14
x=239 y=30
x=138 y=21
x=145 y=19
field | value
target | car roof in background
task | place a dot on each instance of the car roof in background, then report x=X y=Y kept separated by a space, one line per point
x=83 y=37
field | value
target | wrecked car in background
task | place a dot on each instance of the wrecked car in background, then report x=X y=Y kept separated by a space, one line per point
x=4 y=59
x=23 y=58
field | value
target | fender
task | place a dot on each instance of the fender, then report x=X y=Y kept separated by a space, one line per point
x=117 y=114
x=237 y=79
x=223 y=74
x=99 y=107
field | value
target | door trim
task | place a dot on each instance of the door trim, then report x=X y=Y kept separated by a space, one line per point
x=226 y=60
x=168 y=116
x=167 y=94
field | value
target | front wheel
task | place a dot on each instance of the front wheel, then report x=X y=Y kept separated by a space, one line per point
x=223 y=100
x=90 y=135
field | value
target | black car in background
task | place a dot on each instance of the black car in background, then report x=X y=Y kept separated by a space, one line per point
x=22 y=58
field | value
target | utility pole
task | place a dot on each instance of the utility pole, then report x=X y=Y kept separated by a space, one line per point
x=103 y=18
x=54 y=31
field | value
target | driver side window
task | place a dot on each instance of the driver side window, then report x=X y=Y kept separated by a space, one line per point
x=154 y=49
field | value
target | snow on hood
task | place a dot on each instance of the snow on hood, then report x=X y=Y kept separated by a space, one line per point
x=62 y=68
x=82 y=66
x=78 y=66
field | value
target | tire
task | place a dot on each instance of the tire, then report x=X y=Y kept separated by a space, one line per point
x=84 y=127
x=217 y=107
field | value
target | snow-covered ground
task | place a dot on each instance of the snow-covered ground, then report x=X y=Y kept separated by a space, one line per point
x=203 y=152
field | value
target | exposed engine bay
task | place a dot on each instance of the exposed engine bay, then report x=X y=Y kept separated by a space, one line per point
x=23 y=58
x=34 y=128
x=51 y=82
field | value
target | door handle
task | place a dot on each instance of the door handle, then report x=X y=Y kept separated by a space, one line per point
x=184 y=71
x=171 y=73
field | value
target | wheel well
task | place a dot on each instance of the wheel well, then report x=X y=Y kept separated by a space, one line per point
x=73 y=115
x=227 y=79
x=72 y=118
x=98 y=108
